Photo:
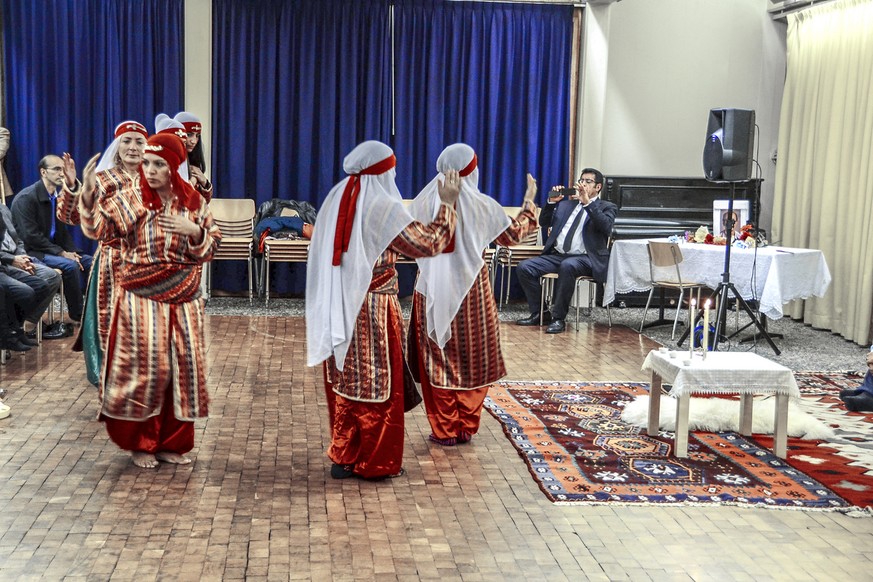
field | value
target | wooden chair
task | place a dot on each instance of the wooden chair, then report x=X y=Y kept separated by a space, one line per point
x=282 y=251
x=664 y=261
x=235 y=217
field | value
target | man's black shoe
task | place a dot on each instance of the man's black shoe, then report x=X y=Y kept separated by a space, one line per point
x=12 y=343
x=28 y=341
x=557 y=326
x=860 y=403
x=535 y=319
x=55 y=331
x=19 y=336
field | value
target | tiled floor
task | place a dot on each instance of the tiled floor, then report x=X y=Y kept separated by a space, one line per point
x=258 y=503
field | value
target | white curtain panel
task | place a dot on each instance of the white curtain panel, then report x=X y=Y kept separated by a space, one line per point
x=824 y=175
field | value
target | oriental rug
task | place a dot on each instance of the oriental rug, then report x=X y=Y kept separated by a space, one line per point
x=578 y=450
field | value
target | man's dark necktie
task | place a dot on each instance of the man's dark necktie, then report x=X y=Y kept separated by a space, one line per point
x=54 y=210
x=568 y=240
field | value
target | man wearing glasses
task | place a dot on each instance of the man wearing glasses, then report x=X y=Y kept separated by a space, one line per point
x=47 y=238
x=578 y=227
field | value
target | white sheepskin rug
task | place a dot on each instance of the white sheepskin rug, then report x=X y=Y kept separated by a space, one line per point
x=720 y=415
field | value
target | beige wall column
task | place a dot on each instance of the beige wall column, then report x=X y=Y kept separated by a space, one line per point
x=593 y=80
x=198 y=68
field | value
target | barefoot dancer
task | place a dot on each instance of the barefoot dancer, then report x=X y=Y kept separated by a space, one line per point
x=154 y=378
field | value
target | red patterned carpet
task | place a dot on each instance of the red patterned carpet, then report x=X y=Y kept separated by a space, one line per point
x=577 y=448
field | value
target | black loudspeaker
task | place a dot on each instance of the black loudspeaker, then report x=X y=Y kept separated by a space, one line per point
x=730 y=137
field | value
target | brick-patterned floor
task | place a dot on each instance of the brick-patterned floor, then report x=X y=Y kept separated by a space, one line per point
x=258 y=504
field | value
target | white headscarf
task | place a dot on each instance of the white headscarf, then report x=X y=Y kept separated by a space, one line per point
x=446 y=279
x=163 y=124
x=335 y=293
x=107 y=160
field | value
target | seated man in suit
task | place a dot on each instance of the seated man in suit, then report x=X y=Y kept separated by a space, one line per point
x=31 y=283
x=47 y=238
x=579 y=228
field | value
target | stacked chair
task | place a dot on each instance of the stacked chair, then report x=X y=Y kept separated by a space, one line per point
x=282 y=251
x=235 y=218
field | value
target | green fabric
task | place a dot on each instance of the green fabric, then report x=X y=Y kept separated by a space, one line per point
x=90 y=336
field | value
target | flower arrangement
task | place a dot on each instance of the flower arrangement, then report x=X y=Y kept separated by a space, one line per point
x=747 y=239
x=747 y=236
x=703 y=236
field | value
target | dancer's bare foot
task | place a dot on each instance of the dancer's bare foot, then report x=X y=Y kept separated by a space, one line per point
x=174 y=458
x=144 y=460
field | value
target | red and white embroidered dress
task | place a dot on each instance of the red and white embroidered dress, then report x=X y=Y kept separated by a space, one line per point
x=154 y=341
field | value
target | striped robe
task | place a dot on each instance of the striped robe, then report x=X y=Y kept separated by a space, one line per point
x=366 y=399
x=152 y=343
x=364 y=376
x=109 y=182
x=472 y=357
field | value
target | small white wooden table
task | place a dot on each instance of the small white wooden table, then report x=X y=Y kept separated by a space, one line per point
x=720 y=373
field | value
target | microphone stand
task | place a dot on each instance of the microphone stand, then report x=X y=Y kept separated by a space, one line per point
x=726 y=288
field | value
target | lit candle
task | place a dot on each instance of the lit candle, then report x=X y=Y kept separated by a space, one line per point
x=691 y=309
x=705 y=328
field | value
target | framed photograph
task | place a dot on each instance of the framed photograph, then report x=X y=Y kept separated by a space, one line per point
x=720 y=216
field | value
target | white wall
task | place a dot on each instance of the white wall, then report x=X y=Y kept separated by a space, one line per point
x=198 y=68
x=654 y=69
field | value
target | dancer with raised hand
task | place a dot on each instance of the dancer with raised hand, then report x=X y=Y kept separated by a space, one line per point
x=353 y=318
x=117 y=170
x=153 y=382
x=454 y=332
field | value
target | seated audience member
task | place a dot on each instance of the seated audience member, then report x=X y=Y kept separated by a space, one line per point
x=10 y=336
x=860 y=399
x=47 y=238
x=579 y=228
x=32 y=284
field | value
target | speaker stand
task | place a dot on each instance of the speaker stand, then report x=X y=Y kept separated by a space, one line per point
x=754 y=337
x=726 y=288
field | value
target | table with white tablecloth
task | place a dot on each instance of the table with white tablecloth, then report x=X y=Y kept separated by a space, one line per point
x=770 y=275
x=720 y=373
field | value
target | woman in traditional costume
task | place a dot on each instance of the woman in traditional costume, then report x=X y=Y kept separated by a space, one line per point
x=118 y=169
x=153 y=376
x=196 y=158
x=353 y=317
x=454 y=334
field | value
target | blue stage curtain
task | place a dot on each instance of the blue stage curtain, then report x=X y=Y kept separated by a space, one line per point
x=296 y=85
x=494 y=76
x=77 y=68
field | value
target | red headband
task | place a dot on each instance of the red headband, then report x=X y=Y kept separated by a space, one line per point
x=170 y=148
x=177 y=131
x=129 y=126
x=470 y=167
x=193 y=127
x=349 y=203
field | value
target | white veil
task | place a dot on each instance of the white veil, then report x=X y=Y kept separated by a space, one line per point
x=446 y=279
x=335 y=293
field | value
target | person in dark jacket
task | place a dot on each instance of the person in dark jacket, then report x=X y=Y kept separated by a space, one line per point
x=579 y=228
x=47 y=238
x=30 y=283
